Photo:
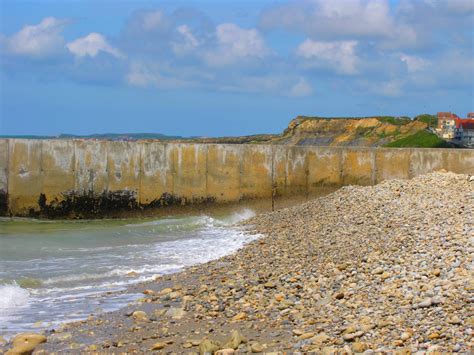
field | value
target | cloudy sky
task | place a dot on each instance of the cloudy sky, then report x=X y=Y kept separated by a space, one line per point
x=228 y=67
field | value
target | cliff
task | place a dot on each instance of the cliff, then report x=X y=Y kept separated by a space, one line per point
x=363 y=132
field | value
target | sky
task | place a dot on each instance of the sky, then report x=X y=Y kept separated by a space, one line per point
x=216 y=68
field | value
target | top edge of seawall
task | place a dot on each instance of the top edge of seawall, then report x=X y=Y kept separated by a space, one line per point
x=146 y=141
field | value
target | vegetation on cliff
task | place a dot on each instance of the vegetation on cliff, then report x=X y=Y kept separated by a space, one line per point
x=421 y=139
x=365 y=131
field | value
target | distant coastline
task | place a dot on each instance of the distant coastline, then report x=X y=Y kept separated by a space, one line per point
x=421 y=131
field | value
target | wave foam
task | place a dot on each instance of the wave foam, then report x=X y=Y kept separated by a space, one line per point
x=12 y=296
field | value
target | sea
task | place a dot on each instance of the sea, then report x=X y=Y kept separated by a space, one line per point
x=55 y=271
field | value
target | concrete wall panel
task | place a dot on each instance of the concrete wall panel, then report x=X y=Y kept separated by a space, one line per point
x=423 y=161
x=256 y=179
x=358 y=166
x=460 y=161
x=25 y=178
x=223 y=172
x=190 y=174
x=324 y=167
x=58 y=168
x=280 y=167
x=3 y=177
x=91 y=167
x=297 y=171
x=392 y=164
x=156 y=176
x=123 y=166
x=3 y=165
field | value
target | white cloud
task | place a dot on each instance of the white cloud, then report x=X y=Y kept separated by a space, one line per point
x=91 y=45
x=39 y=40
x=414 y=63
x=342 y=19
x=460 y=6
x=187 y=42
x=235 y=44
x=338 y=55
x=391 y=88
x=156 y=75
x=154 y=20
x=300 y=89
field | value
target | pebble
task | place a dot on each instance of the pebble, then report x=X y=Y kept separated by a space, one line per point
x=256 y=348
x=374 y=269
x=158 y=346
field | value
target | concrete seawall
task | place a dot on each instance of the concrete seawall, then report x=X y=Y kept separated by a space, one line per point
x=87 y=178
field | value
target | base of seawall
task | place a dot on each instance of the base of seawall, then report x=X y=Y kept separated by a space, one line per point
x=124 y=204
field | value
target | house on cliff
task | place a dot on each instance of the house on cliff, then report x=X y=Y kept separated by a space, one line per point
x=455 y=129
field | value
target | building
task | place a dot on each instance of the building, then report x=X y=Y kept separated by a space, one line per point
x=458 y=130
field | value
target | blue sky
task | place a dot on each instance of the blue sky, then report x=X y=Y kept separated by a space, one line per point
x=228 y=67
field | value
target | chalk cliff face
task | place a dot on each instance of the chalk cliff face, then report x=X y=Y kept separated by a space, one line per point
x=365 y=132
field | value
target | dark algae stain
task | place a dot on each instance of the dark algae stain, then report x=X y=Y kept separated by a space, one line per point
x=88 y=205
x=106 y=204
x=3 y=203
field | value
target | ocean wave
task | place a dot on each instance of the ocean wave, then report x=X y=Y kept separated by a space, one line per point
x=12 y=296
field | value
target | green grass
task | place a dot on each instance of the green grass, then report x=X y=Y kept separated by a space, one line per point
x=397 y=121
x=421 y=139
x=430 y=120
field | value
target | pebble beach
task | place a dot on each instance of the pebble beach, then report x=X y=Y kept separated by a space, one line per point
x=373 y=269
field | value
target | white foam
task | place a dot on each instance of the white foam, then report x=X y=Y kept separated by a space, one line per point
x=179 y=243
x=12 y=296
x=242 y=215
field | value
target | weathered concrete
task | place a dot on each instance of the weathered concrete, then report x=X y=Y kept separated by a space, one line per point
x=91 y=178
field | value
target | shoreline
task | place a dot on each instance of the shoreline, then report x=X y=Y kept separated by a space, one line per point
x=363 y=269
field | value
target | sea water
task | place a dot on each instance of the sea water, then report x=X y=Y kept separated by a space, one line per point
x=58 y=271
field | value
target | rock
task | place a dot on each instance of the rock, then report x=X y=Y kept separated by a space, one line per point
x=339 y=296
x=454 y=320
x=269 y=285
x=405 y=336
x=279 y=297
x=140 y=316
x=352 y=336
x=165 y=291
x=377 y=271
x=25 y=343
x=158 y=346
x=225 y=352
x=359 y=347
x=175 y=312
x=306 y=336
x=256 y=348
x=209 y=347
x=436 y=272
x=319 y=339
x=187 y=345
x=240 y=316
x=297 y=332
x=235 y=340
x=427 y=302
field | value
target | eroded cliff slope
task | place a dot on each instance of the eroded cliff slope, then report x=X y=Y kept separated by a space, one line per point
x=367 y=132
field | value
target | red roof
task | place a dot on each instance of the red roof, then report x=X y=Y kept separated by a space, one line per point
x=447 y=115
x=465 y=123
